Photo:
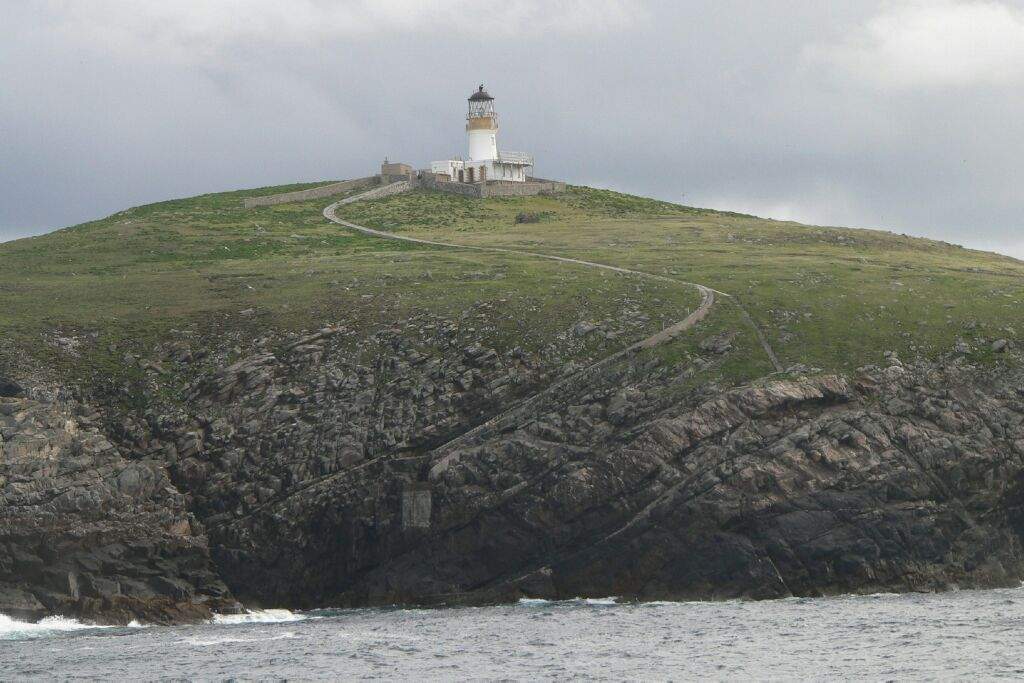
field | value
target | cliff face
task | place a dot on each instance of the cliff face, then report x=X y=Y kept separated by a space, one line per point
x=86 y=531
x=296 y=476
x=898 y=479
x=178 y=432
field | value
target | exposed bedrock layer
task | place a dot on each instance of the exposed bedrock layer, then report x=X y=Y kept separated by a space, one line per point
x=302 y=478
x=900 y=479
x=85 y=531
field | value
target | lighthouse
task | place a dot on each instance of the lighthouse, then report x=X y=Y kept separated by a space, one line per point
x=484 y=161
x=482 y=127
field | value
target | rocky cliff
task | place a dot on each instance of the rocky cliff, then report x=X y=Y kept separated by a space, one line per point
x=293 y=472
x=85 y=530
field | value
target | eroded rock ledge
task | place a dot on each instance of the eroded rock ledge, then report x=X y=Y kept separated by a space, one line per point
x=86 y=531
x=301 y=477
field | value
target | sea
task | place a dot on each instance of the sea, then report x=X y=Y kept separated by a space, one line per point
x=957 y=635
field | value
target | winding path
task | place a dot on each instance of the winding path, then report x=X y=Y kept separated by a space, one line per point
x=707 y=293
x=444 y=454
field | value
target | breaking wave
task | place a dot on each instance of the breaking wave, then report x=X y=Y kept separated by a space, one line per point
x=207 y=642
x=539 y=602
x=262 y=616
x=12 y=629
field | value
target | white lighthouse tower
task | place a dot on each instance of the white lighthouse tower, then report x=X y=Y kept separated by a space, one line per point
x=482 y=127
x=484 y=162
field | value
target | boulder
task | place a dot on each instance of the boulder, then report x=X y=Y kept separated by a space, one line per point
x=583 y=328
x=719 y=343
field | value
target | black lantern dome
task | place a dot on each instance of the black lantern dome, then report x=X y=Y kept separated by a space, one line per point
x=480 y=95
x=481 y=105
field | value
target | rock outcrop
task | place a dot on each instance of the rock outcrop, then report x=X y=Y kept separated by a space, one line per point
x=899 y=479
x=88 y=532
x=302 y=474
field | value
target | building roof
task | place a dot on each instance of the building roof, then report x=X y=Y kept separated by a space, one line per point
x=480 y=95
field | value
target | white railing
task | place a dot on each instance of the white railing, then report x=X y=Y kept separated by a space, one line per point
x=516 y=158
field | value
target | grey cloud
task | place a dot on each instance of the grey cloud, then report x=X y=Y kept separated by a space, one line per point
x=721 y=103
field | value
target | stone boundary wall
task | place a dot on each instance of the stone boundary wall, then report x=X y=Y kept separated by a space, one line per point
x=386 y=178
x=560 y=183
x=392 y=184
x=377 y=193
x=453 y=187
x=506 y=188
x=494 y=188
x=312 y=193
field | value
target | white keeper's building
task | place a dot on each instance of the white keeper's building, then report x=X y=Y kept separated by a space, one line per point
x=484 y=162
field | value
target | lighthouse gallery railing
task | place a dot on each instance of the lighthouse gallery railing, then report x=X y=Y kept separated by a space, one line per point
x=515 y=158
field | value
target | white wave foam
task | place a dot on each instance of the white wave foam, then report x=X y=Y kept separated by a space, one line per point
x=538 y=602
x=262 y=616
x=534 y=602
x=12 y=629
x=197 y=642
x=599 y=601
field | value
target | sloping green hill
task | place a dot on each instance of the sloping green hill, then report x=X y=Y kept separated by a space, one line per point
x=200 y=402
x=78 y=298
x=829 y=297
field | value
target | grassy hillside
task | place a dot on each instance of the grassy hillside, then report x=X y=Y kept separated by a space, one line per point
x=827 y=297
x=76 y=299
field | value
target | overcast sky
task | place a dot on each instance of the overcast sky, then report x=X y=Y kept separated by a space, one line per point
x=907 y=115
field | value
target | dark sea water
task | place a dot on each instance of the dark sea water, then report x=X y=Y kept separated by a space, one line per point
x=964 y=635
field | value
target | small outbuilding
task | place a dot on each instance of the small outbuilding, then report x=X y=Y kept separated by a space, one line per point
x=394 y=171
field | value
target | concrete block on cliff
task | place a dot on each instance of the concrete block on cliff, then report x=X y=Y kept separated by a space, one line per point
x=417 y=506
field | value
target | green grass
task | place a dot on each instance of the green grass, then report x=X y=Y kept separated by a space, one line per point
x=825 y=297
x=207 y=265
x=832 y=298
